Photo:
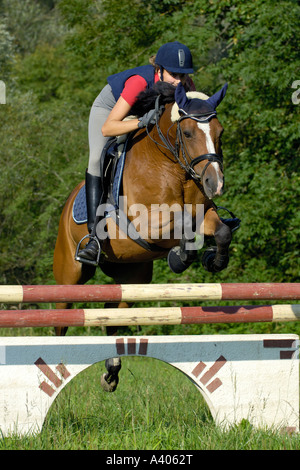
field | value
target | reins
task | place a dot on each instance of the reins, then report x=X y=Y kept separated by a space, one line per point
x=187 y=165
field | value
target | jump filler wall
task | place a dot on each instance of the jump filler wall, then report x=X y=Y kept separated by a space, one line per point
x=252 y=377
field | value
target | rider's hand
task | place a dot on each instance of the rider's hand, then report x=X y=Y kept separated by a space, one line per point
x=148 y=118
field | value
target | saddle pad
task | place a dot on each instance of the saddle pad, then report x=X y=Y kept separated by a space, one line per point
x=79 y=206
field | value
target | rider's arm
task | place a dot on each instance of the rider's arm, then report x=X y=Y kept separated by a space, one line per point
x=114 y=125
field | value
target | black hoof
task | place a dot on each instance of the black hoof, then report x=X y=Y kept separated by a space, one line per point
x=113 y=365
x=110 y=380
x=109 y=383
x=208 y=260
x=175 y=262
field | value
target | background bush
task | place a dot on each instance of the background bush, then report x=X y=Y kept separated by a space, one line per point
x=55 y=57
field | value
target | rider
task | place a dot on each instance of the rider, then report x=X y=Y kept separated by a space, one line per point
x=172 y=64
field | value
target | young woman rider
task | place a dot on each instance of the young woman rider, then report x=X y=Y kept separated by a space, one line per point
x=172 y=64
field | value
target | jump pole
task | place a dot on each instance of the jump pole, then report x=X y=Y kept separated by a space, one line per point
x=148 y=316
x=149 y=292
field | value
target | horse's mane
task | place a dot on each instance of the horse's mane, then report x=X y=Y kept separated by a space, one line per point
x=146 y=99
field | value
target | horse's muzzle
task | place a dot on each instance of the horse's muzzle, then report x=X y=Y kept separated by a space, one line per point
x=213 y=186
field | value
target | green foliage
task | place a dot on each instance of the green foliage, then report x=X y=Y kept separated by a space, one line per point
x=26 y=21
x=55 y=57
x=6 y=51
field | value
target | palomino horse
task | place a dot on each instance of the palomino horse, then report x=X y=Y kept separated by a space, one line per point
x=177 y=161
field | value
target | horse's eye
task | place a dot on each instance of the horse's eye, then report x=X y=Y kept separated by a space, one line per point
x=187 y=134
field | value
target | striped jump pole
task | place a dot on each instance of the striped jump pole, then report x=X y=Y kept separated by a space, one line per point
x=148 y=316
x=149 y=292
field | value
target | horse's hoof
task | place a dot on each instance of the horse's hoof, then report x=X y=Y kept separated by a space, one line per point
x=208 y=260
x=113 y=365
x=175 y=262
x=110 y=380
x=108 y=383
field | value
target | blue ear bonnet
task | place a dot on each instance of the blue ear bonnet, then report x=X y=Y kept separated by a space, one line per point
x=196 y=105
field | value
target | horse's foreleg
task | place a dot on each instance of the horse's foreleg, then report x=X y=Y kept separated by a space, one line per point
x=216 y=259
x=110 y=380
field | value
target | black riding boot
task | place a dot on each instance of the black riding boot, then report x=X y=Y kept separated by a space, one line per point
x=93 y=188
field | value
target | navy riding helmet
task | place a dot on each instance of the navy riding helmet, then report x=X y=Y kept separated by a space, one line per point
x=175 y=57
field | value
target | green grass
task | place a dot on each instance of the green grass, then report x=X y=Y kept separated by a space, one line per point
x=155 y=407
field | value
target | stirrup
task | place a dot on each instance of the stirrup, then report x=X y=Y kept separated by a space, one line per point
x=88 y=261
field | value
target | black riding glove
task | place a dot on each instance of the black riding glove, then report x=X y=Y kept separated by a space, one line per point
x=148 y=118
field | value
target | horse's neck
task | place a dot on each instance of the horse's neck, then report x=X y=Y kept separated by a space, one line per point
x=165 y=136
x=152 y=173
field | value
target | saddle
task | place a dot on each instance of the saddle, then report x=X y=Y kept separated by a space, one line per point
x=111 y=169
x=111 y=166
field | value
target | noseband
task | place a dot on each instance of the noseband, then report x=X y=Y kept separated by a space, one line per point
x=189 y=163
x=211 y=157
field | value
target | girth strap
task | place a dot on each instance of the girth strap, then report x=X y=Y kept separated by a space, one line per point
x=126 y=226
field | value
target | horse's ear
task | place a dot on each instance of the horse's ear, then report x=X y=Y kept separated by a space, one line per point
x=216 y=99
x=180 y=96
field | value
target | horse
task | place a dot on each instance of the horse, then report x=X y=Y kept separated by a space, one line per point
x=175 y=161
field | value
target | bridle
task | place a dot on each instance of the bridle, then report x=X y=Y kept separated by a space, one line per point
x=187 y=162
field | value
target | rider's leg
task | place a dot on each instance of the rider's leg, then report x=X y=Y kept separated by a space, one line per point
x=93 y=189
x=98 y=115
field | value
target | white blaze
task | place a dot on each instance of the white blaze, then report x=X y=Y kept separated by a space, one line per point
x=205 y=127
